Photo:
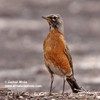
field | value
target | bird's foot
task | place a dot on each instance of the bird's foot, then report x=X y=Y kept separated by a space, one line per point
x=49 y=93
x=62 y=93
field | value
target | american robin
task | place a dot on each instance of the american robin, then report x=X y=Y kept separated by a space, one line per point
x=57 y=57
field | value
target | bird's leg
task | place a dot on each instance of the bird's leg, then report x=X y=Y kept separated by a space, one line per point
x=52 y=79
x=63 y=85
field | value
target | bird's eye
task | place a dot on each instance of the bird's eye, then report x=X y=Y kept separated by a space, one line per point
x=54 y=17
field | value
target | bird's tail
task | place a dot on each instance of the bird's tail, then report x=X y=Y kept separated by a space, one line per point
x=74 y=86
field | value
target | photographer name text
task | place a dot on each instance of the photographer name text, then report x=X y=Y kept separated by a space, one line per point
x=13 y=82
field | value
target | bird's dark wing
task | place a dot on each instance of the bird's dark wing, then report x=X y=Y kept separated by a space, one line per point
x=71 y=80
x=67 y=52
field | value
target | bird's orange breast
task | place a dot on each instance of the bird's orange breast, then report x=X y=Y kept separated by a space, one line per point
x=53 y=49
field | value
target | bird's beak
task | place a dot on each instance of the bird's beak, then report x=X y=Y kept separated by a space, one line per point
x=47 y=18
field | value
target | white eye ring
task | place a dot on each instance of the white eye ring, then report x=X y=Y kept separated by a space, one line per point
x=53 y=19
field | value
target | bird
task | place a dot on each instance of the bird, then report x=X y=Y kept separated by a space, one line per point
x=57 y=57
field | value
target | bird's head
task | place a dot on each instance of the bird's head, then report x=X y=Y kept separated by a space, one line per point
x=55 y=21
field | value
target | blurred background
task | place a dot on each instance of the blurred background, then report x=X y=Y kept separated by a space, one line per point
x=22 y=31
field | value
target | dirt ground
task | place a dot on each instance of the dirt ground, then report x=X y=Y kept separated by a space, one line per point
x=22 y=31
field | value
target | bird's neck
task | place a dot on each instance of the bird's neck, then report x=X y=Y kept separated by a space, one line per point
x=59 y=28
